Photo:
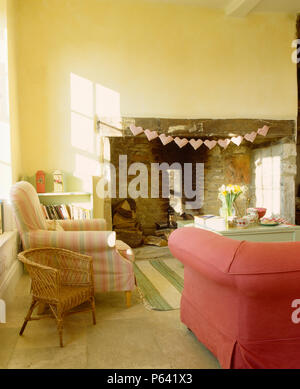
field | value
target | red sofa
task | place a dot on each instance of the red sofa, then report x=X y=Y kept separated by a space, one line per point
x=237 y=298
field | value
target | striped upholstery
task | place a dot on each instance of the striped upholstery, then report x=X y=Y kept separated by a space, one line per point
x=27 y=209
x=83 y=225
x=113 y=269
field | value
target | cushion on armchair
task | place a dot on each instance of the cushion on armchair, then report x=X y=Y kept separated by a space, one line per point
x=53 y=225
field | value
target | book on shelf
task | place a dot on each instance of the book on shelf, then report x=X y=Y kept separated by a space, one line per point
x=66 y=211
x=44 y=211
x=59 y=212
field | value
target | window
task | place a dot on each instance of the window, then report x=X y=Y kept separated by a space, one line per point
x=268 y=179
x=5 y=151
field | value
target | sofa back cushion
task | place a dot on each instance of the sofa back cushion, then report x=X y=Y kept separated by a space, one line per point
x=194 y=246
x=266 y=257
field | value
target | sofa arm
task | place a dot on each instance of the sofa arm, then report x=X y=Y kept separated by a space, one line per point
x=197 y=247
x=83 y=225
x=83 y=242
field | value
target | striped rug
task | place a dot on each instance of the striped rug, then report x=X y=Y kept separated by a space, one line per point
x=160 y=283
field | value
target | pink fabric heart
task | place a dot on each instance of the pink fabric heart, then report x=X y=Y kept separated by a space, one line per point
x=210 y=143
x=263 y=131
x=224 y=143
x=237 y=140
x=136 y=130
x=196 y=143
x=250 y=137
x=151 y=134
x=181 y=141
x=165 y=139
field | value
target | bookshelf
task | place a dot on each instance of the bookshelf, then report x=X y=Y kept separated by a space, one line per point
x=54 y=194
x=77 y=201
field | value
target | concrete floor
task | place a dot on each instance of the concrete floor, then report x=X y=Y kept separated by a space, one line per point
x=123 y=337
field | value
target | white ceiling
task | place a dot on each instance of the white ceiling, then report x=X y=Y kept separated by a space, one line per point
x=244 y=7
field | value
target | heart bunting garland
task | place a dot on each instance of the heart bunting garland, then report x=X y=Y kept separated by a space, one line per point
x=165 y=139
x=224 y=143
x=181 y=142
x=263 y=131
x=151 y=134
x=237 y=140
x=210 y=143
x=196 y=143
x=136 y=130
x=251 y=137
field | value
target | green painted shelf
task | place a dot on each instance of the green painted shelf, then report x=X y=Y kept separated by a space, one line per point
x=48 y=194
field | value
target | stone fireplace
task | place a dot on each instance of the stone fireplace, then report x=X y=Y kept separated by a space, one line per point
x=152 y=210
x=266 y=168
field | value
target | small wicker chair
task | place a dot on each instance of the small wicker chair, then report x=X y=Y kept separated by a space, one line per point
x=61 y=279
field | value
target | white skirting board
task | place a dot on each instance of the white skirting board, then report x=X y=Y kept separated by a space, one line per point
x=8 y=285
x=11 y=268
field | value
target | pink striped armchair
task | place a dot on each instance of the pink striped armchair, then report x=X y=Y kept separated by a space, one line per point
x=112 y=260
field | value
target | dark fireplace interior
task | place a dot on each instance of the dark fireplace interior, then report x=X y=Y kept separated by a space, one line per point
x=150 y=211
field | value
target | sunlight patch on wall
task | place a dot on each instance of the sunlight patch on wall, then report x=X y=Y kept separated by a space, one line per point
x=82 y=95
x=108 y=110
x=85 y=168
x=82 y=134
x=90 y=102
x=107 y=102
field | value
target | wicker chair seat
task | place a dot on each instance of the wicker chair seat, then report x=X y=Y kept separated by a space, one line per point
x=71 y=296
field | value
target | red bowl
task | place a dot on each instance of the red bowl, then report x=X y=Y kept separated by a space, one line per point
x=261 y=212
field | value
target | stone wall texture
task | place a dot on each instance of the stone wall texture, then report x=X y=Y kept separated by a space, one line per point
x=230 y=166
x=234 y=165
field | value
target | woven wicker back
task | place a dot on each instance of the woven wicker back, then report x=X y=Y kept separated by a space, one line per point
x=43 y=256
x=45 y=277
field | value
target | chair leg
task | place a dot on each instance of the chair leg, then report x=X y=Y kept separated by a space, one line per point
x=28 y=316
x=60 y=326
x=93 y=310
x=128 y=298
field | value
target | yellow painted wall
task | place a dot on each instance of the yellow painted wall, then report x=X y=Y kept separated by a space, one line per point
x=147 y=59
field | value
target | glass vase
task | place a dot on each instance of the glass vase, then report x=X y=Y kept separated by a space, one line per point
x=228 y=213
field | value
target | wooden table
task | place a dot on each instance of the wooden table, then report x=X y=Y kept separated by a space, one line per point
x=256 y=233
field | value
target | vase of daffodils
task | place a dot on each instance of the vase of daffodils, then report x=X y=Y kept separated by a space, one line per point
x=228 y=195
